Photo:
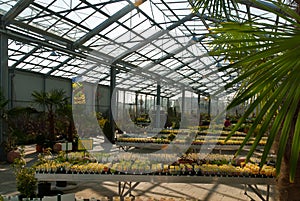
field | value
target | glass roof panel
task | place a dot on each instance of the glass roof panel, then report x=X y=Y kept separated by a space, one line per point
x=6 y=5
x=60 y=5
x=140 y=41
x=29 y=12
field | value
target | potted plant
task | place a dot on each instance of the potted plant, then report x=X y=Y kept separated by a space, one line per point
x=25 y=177
x=11 y=149
x=52 y=101
x=40 y=143
x=268 y=79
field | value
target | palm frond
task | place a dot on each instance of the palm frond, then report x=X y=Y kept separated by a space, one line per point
x=269 y=69
x=215 y=8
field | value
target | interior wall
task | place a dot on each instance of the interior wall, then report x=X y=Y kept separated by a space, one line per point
x=24 y=83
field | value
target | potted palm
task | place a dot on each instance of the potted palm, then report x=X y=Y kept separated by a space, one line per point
x=52 y=101
x=267 y=59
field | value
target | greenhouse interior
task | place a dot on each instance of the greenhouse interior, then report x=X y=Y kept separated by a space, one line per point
x=149 y=100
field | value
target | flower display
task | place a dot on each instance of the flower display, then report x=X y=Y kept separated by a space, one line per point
x=201 y=137
x=194 y=164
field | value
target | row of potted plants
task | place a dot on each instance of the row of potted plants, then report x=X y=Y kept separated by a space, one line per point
x=189 y=164
x=158 y=169
x=232 y=141
x=114 y=198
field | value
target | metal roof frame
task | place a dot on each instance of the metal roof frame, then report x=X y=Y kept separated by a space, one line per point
x=172 y=30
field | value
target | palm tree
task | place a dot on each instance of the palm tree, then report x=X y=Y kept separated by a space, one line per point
x=267 y=59
x=51 y=101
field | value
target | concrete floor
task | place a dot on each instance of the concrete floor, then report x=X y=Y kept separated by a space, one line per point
x=144 y=191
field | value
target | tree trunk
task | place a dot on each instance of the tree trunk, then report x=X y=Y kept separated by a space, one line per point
x=51 y=126
x=288 y=191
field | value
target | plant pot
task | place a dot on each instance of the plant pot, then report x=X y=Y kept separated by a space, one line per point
x=61 y=183
x=44 y=188
x=12 y=155
x=39 y=148
x=24 y=198
x=57 y=147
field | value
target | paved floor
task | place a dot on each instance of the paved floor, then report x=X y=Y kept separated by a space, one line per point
x=144 y=191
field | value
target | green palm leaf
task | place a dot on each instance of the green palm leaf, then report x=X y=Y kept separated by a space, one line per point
x=215 y=8
x=269 y=70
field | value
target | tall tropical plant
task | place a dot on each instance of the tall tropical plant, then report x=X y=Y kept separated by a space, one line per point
x=267 y=60
x=52 y=101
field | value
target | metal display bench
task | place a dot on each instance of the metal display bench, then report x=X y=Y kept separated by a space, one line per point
x=127 y=145
x=128 y=182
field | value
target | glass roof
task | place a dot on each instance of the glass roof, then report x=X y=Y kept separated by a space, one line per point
x=148 y=42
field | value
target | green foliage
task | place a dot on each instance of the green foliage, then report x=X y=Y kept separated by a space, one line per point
x=25 y=177
x=171 y=136
x=267 y=59
x=24 y=124
x=215 y=8
x=58 y=113
x=26 y=182
x=52 y=100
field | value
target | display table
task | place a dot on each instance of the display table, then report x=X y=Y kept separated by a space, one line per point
x=156 y=146
x=155 y=178
x=132 y=180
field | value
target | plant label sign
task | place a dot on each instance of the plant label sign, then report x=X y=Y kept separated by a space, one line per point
x=66 y=146
x=85 y=144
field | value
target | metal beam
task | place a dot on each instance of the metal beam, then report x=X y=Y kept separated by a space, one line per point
x=25 y=57
x=115 y=17
x=60 y=65
x=44 y=34
x=4 y=66
x=157 y=106
x=92 y=56
x=15 y=11
x=263 y=5
x=167 y=56
x=4 y=86
x=29 y=39
x=61 y=17
x=64 y=12
x=112 y=102
x=98 y=57
x=154 y=37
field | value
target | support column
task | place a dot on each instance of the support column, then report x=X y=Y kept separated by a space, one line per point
x=198 y=109
x=116 y=111
x=208 y=107
x=157 y=116
x=168 y=103
x=4 y=87
x=10 y=95
x=136 y=104
x=124 y=116
x=146 y=111
x=183 y=120
x=44 y=91
x=217 y=107
x=111 y=134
